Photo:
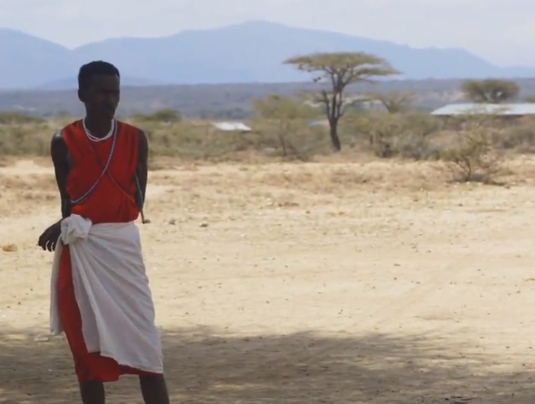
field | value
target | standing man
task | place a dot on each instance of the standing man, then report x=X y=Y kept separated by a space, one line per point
x=100 y=293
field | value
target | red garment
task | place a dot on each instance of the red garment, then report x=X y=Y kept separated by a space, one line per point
x=112 y=201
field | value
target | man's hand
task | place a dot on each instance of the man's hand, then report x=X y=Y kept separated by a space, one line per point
x=49 y=238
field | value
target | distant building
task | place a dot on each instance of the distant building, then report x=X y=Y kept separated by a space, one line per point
x=315 y=124
x=500 y=110
x=232 y=126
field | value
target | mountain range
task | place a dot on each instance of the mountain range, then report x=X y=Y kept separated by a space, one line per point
x=243 y=53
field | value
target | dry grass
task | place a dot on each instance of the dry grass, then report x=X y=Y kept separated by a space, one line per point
x=480 y=143
x=315 y=278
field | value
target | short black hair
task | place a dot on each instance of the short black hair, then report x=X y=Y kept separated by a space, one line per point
x=95 y=68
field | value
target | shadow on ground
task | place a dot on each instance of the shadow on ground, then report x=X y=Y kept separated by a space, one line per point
x=205 y=366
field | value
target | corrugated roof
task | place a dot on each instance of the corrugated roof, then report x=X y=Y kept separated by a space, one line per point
x=486 y=109
x=232 y=126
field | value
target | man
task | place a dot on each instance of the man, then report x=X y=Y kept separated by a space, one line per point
x=100 y=293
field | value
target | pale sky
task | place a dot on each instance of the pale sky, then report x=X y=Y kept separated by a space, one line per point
x=501 y=31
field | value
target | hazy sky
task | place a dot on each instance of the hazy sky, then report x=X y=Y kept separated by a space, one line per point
x=502 y=31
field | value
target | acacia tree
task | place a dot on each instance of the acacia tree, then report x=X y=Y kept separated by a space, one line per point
x=395 y=101
x=283 y=112
x=338 y=71
x=490 y=91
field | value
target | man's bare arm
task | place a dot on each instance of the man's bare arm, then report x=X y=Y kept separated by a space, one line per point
x=142 y=170
x=59 y=153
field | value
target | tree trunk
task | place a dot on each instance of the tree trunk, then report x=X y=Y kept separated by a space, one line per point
x=283 y=145
x=282 y=134
x=335 y=139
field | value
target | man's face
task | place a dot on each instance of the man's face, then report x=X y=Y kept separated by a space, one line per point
x=102 y=97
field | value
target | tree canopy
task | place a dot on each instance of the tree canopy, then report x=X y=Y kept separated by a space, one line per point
x=490 y=91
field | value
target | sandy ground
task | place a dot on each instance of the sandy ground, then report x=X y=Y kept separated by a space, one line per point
x=305 y=283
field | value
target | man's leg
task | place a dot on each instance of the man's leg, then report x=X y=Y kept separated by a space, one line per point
x=154 y=389
x=92 y=392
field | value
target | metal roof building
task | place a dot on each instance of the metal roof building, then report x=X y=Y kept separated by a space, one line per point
x=486 y=109
x=232 y=126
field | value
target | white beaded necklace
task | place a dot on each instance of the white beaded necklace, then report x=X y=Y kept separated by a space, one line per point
x=99 y=139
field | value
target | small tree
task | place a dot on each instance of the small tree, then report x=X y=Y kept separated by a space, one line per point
x=339 y=70
x=491 y=91
x=470 y=154
x=284 y=111
x=530 y=99
x=396 y=101
x=163 y=115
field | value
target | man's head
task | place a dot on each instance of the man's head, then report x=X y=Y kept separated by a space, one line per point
x=99 y=89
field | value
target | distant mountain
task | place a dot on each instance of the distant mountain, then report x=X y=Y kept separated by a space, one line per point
x=28 y=61
x=241 y=53
x=68 y=84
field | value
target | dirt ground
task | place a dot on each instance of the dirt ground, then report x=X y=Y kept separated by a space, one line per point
x=299 y=283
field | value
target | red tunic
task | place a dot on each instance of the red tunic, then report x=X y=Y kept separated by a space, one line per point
x=111 y=201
